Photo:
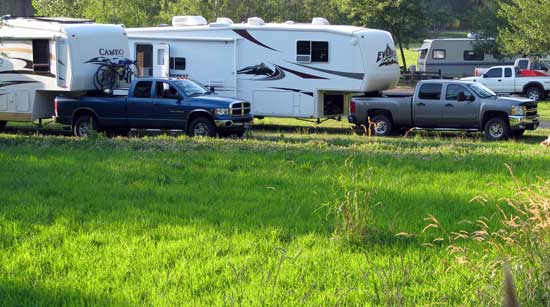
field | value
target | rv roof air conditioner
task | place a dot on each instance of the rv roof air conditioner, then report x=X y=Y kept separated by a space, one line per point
x=186 y=21
x=222 y=22
x=256 y=21
x=320 y=21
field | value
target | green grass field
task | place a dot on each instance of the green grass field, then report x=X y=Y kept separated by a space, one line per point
x=212 y=222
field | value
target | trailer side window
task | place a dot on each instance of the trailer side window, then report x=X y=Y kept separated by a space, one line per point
x=177 y=63
x=143 y=89
x=41 y=55
x=430 y=92
x=423 y=53
x=439 y=54
x=309 y=51
x=472 y=55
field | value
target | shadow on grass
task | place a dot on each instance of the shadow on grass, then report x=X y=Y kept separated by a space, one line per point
x=18 y=294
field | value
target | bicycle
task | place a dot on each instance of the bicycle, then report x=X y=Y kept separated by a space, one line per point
x=111 y=71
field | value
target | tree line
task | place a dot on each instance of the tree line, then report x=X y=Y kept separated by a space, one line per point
x=513 y=26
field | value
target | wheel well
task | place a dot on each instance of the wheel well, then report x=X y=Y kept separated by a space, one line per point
x=492 y=114
x=533 y=84
x=83 y=112
x=197 y=114
x=373 y=112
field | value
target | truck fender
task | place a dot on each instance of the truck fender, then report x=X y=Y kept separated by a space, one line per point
x=198 y=112
x=83 y=110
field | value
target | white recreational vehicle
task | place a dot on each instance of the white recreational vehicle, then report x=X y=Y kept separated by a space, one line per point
x=454 y=57
x=285 y=70
x=43 y=57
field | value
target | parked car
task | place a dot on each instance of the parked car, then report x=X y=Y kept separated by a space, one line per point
x=156 y=103
x=447 y=105
x=508 y=80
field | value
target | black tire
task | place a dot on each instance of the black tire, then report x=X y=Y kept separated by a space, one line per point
x=497 y=129
x=3 y=124
x=381 y=125
x=202 y=126
x=534 y=93
x=83 y=125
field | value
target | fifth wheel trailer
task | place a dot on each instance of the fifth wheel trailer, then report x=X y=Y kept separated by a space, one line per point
x=41 y=58
x=285 y=70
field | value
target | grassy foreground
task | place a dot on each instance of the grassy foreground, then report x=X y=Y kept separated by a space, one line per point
x=174 y=221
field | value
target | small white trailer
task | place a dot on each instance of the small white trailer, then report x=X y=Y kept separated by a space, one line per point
x=285 y=70
x=44 y=57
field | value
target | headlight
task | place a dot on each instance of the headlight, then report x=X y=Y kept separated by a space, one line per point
x=517 y=110
x=223 y=111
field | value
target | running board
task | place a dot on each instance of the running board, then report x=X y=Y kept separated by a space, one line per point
x=444 y=129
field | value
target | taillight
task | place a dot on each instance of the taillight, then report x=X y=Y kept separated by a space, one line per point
x=55 y=107
x=352 y=107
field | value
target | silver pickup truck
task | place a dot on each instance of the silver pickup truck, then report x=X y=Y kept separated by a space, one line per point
x=447 y=105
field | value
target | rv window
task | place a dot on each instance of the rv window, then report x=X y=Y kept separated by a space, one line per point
x=308 y=51
x=430 y=92
x=319 y=52
x=41 y=55
x=423 y=53
x=494 y=73
x=472 y=55
x=178 y=63
x=143 y=89
x=508 y=72
x=439 y=54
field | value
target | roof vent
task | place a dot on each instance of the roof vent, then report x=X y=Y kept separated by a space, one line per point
x=256 y=21
x=186 y=21
x=320 y=21
x=222 y=22
x=290 y=22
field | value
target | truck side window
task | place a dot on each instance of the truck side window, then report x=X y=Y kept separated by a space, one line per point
x=165 y=90
x=143 y=89
x=453 y=90
x=494 y=73
x=41 y=55
x=430 y=92
x=508 y=72
x=439 y=54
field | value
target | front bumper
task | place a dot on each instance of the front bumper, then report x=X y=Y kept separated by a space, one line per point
x=520 y=122
x=234 y=123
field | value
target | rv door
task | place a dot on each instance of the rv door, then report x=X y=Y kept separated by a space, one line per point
x=161 y=58
x=61 y=64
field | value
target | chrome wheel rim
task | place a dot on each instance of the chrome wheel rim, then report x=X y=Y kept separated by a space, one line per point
x=201 y=129
x=84 y=129
x=380 y=127
x=533 y=95
x=496 y=130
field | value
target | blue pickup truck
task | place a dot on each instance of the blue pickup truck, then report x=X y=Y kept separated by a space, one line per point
x=156 y=103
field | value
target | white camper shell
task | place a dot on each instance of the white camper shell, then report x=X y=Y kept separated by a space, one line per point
x=43 y=57
x=454 y=57
x=285 y=70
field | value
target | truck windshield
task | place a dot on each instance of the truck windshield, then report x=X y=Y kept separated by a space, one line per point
x=482 y=91
x=191 y=88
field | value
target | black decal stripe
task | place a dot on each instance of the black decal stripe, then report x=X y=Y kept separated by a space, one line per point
x=27 y=72
x=352 y=75
x=308 y=93
x=301 y=74
x=10 y=83
x=293 y=90
x=245 y=34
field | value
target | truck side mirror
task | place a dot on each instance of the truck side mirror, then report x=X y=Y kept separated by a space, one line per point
x=471 y=98
x=212 y=89
x=461 y=96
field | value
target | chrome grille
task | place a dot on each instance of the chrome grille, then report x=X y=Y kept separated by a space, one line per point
x=239 y=109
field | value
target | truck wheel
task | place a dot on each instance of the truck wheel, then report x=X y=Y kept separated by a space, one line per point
x=497 y=129
x=202 y=126
x=381 y=125
x=84 y=125
x=534 y=93
x=3 y=124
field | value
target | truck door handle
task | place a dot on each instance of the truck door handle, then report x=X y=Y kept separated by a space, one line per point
x=499 y=80
x=449 y=105
x=421 y=104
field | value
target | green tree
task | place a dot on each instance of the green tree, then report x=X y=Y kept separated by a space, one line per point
x=59 y=8
x=405 y=19
x=527 y=29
